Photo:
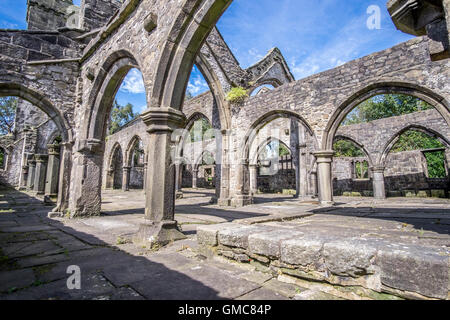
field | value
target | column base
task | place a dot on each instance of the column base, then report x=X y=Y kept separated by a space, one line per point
x=178 y=195
x=241 y=201
x=326 y=203
x=152 y=233
x=224 y=202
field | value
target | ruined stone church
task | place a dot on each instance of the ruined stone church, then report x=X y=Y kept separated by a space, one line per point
x=67 y=67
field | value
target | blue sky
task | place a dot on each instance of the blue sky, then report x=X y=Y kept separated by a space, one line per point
x=313 y=36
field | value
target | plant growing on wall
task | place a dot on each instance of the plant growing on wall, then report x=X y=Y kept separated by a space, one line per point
x=237 y=95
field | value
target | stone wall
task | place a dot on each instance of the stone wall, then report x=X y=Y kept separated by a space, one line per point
x=47 y=14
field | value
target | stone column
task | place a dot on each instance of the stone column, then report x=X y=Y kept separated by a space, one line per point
x=64 y=180
x=109 y=179
x=86 y=176
x=31 y=172
x=178 y=180
x=39 y=176
x=242 y=197
x=51 y=183
x=159 y=226
x=224 y=198
x=126 y=179
x=145 y=177
x=314 y=183
x=325 y=185
x=379 y=191
x=194 y=178
x=23 y=180
x=302 y=183
x=253 y=179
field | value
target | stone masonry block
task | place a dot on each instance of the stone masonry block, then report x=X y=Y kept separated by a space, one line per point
x=304 y=252
x=207 y=235
x=269 y=243
x=349 y=257
x=416 y=269
x=238 y=236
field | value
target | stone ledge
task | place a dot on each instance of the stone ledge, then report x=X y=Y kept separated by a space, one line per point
x=404 y=270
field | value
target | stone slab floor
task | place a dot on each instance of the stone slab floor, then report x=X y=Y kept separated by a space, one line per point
x=36 y=251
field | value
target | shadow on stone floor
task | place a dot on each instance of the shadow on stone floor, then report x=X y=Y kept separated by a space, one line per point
x=36 y=252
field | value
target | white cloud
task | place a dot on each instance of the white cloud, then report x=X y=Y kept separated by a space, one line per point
x=197 y=85
x=133 y=82
x=343 y=47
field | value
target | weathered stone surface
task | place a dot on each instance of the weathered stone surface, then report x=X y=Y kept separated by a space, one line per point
x=353 y=257
x=305 y=251
x=237 y=236
x=207 y=235
x=415 y=269
x=269 y=243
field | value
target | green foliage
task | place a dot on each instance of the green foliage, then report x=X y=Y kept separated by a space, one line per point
x=120 y=116
x=283 y=151
x=237 y=95
x=385 y=106
x=199 y=129
x=2 y=158
x=436 y=164
x=8 y=106
x=345 y=148
x=362 y=170
x=416 y=140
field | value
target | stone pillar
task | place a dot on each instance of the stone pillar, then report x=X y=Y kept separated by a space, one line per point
x=159 y=226
x=379 y=191
x=109 y=179
x=224 y=198
x=23 y=180
x=85 y=191
x=178 y=180
x=31 y=173
x=253 y=179
x=325 y=184
x=51 y=183
x=194 y=178
x=145 y=177
x=126 y=179
x=64 y=179
x=39 y=176
x=313 y=185
x=302 y=176
x=242 y=197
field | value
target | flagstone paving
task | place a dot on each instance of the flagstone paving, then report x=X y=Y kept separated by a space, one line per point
x=35 y=251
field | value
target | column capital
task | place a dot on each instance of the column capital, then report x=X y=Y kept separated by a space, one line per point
x=53 y=149
x=126 y=168
x=163 y=119
x=253 y=166
x=41 y=157
x=324 y=156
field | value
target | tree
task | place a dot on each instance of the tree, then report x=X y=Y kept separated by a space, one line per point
x=385 y=106
x=205 y=126
x=8 y=106
x=120 y=116
x=346 y=148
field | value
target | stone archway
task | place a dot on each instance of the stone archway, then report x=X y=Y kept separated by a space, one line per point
x=86 y=200
x=64 y=128
x=298 y=143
